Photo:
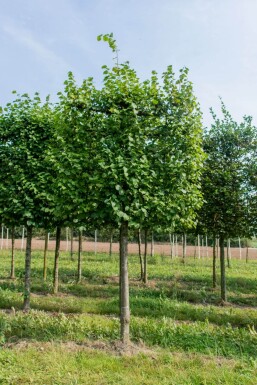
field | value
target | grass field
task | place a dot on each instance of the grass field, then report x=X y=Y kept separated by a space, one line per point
x=180 y=335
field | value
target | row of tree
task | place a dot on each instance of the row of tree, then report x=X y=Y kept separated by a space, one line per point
x=126 y=155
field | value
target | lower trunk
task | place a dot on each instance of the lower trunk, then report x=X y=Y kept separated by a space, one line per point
x=240 y=249
x=199 y=246
x=124 y=284
x=111 y=239
x=152 y=245
x=228 y=253
x=95 y=242
x=45 y=256
x=26 y=303
x=140 y=255
x=184 y=237
x=12 y=276
x=195 y=248
x=214 y=279
x=247 y=253
x=79 y=257
x=145 y=258
x=56 y=259
x=71 y=243
x=171 y=245
x=222 y=270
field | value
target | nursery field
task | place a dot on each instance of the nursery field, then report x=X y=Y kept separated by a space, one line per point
x=180 y=333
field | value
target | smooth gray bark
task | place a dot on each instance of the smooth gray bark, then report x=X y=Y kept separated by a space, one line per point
x=45 y=256
x=56 y=259
x=26 y=303
x=124 y=284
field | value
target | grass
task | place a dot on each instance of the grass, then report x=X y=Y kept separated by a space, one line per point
x=177 y=312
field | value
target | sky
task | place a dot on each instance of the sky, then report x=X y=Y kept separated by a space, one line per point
x=41 y=40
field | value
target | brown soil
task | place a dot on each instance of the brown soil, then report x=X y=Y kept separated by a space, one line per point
x=103 y=247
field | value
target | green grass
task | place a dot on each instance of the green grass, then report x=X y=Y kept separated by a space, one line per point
x=177 y=311
x=76 y=366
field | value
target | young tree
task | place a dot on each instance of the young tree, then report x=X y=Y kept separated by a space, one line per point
x=228 y=146
x=26 y=126
x=135 y=154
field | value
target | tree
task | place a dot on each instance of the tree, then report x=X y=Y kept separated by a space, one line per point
x=225 y=183
x=25 y=131
x=135 y=154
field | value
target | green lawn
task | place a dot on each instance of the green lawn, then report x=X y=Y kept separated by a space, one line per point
x=191 y=339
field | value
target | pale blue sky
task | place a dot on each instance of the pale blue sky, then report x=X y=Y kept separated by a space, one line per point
x=41 y=40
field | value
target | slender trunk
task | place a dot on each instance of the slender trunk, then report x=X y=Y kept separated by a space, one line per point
x=171 y=245
x=247 y=253
x=71 y=243
x=95 y=242
x=79 y=256
x=26 y=302
x=222 y=270
x=12 y=276
x=199 y=246
x=214 y=279
x=145 y=258
x=152 y=245
x=218 y=246
x=22 y=238
x=124 y=284
x=184 y=238
x=195 y=248
x=45 y=256
x=140 y=255
x=2 y=237
x=56 y=259
x=228 y=258
x=7 y=238
x=240 y=250
x=176 y=241
x=67 y=238
x=206 y=244
x=111 y=240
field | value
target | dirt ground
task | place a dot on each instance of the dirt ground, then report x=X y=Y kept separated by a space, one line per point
x=160 y=249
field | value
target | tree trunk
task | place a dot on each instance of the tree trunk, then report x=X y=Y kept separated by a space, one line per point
x=2 y=237
x=79 y=256
x=184 y=238
x=228 y=256
x=140 y=255
x=214 y=278
x=124 y=284
x=152 y=245
x=240 y=250
x=171 y=245
x=22 y=238
x=95 y=242
x=199 y=246
x=145 y=258
x=56 y=259
x=111 y=240
x=7 y=238
x=12 y=276
x=195 y=248
x=71 y=243
x=67 y=238
x=176 y=242
x=222 y=270
x=247 y=253
x=206 y=245
x=26 y=303
x=45 y=256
